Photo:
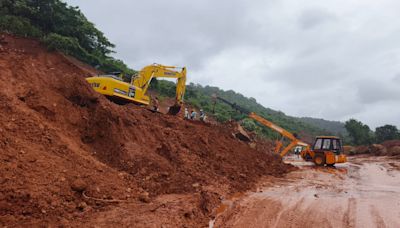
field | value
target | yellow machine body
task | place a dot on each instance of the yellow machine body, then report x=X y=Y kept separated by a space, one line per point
x=114 y=88
x=327 y=150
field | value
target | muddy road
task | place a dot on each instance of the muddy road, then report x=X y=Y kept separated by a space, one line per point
x=365 y=192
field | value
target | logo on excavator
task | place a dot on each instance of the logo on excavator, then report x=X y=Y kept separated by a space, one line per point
x=95 y=85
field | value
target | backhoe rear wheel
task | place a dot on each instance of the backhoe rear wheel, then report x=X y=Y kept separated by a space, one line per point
x=319 y=160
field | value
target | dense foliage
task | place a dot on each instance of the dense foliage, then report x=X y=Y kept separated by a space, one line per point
x=60 y=27
x=336 y=127
x=360 y=134
x=201 y=97
x=386 y=132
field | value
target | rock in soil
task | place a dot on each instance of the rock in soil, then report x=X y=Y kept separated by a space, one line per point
x=78 y=185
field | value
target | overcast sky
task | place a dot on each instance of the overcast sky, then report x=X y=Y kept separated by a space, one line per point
x=331 y=59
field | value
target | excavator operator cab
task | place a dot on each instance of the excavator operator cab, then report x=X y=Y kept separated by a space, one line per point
x=328 y=143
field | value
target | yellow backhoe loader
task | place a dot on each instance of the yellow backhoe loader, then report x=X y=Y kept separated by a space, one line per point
x=135 y=92
x=326 y=150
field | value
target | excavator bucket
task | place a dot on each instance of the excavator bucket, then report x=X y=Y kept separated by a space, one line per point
x=174 y=110
x=241 y=134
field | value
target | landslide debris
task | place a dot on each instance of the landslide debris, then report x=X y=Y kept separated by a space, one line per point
x=61 y=141
x=387 y=148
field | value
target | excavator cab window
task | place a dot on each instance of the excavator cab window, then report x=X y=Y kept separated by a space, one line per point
x=331 y=144
x=112 y=76
x=336 y=146
x=317 y=144
x=327 y=144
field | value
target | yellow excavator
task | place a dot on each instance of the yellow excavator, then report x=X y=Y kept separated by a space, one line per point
x=326 y=150
x=135 y=92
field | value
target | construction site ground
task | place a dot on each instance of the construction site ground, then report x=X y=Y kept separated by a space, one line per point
x=70 y=157
x=361 y=193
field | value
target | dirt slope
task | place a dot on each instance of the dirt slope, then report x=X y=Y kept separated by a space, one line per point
x=56 y=132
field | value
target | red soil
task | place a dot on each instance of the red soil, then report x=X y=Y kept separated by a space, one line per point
x=153 y=169
x=391 y=143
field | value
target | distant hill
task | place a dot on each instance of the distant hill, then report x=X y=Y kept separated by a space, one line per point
x=201 y=97
x=336 y=127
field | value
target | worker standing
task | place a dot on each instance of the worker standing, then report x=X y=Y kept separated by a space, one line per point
x=193 y=115
x=186 y=116
x=202 y=115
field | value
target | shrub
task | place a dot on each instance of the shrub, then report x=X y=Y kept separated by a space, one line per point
x=19 y=26
x=69 y=46
x=248 y=124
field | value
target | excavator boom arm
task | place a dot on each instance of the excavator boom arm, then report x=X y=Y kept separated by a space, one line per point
x=159 y=71
x=272 y=126
x=293 y=140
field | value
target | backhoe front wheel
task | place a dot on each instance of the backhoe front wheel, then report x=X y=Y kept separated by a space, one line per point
x=319 y=160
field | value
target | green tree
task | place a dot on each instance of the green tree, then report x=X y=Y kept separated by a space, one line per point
x=386 y=132
x=201 y=97
x=60 y=27
x=359 y=133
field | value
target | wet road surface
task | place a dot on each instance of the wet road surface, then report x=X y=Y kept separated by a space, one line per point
x=364 y=192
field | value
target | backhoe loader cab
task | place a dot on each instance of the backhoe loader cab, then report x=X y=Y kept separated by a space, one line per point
x=328 y=143
x=325 y=150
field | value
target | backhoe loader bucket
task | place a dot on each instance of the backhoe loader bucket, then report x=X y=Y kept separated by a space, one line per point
x=174 y=110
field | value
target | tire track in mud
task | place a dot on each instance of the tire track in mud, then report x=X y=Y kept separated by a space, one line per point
x=350 y=213
x=379 y=221
x=290 y=213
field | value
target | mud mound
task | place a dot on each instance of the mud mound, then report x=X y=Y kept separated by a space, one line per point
x=348 y=149
x=361 y=150
x=55 y=132
x=394 y=151
x=391 y=143
x=387 y=148
x=377 y=149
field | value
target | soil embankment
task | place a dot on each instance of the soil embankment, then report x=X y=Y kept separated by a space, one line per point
x=71 y=157
x=387 y=148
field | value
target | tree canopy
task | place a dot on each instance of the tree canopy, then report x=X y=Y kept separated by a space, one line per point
x=360 y=134
x=386 y=132
x=60 y=27
x=201 y=97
